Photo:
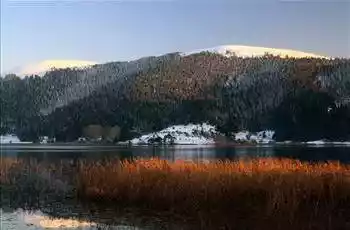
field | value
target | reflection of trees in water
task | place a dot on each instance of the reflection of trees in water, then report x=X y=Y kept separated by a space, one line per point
x=315 y=154
x=48 y=156
x=259 y=151
x=224 y=153
x=183 y=152
x=237 y=152
x=70 y=208
x=59 y=156
x=13 y=153
x=165 y=152
x=186 y=153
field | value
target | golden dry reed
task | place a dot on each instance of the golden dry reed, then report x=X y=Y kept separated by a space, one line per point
x=6 y=164
x=248 y=192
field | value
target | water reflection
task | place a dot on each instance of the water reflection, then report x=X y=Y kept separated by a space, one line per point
x=86 y=218
x=177 y=153
x=35 y=220
x=314 y=154
x=38 y=219
x=195 y=153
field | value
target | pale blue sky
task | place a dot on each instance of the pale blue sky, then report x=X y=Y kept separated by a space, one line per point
x=32 y=31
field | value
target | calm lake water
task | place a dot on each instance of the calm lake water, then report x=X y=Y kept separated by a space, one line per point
x=52 y=213
x=301 y=152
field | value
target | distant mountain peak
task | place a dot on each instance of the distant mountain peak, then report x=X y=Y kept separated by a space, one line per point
x=44 y=66
x=254 y=51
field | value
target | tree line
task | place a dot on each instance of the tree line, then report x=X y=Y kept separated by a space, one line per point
x=295 y=97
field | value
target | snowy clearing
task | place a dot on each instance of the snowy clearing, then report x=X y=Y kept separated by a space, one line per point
x=323 y=142
x=11 y=139
x=200 y=134
x=262 y=137
x=191 y=134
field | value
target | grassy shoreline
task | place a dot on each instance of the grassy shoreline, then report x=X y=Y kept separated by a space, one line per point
x=251 y=193
x=263 y=193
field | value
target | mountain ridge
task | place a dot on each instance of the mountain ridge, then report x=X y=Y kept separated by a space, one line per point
x=295 y=97
x=40 y=68
x=244 y=51
x=254 y=51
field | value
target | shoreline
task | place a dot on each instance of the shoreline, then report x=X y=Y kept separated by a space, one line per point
x=90 y=146
x=56 y=146
x=283 y=191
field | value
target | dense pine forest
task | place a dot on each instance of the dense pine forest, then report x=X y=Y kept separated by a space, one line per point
x=301 y=99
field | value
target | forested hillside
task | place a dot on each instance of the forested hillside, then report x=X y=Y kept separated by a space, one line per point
x=301 y=99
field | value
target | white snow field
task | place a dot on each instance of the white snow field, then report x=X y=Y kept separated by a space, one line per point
x=199 y=134
x=9 y=139
x=42 y=67
x=254 y=51
x=191 y=134
x=262 y=137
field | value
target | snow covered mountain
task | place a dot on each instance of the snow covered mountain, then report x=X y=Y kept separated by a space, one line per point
x=254 y=51
x=44 y=66
x=226 y=50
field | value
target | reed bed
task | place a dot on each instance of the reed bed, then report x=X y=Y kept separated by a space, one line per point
x=23 y=178
x=261 y=193
x=255 y=192
x=6 y=165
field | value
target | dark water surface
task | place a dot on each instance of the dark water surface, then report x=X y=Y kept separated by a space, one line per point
x=44 y=212
x=301 y=152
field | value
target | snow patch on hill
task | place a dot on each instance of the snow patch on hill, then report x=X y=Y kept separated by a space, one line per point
x=42 y=67
x=254 y=51
x=325 y=142
x=191 y=134
x=262 y=137
x=9 y=139
x=12 y=139
x=200 y=134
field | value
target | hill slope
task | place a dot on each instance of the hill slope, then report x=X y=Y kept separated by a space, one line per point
x=295 y=97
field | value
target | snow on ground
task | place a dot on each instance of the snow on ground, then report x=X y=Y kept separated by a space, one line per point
x=204 y=134
x=262 y=137
x=198 y=134
x=11 y=139
x=42 y=67
x=253 y=51
x=322 y=142
x=341 y=143
x=319 y=142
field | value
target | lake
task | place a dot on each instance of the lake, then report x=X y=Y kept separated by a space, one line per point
x=187 y=152
x=54 y=212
